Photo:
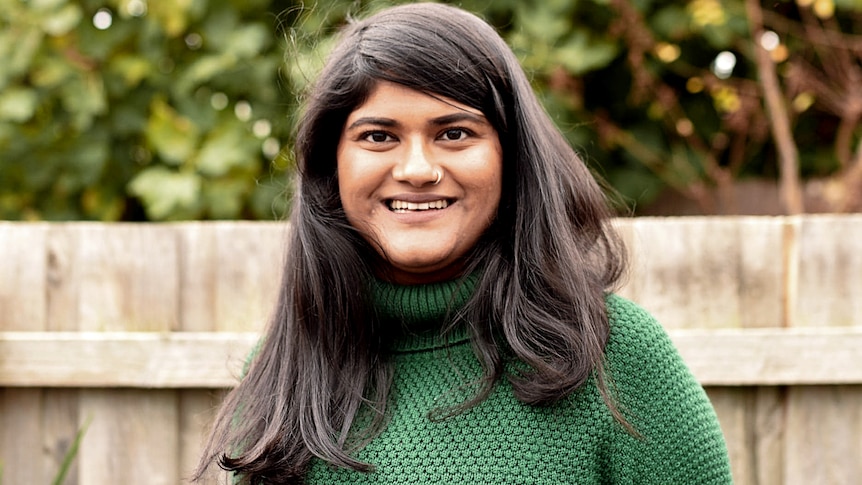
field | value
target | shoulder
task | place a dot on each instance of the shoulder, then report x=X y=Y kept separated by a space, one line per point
x=640 y=356
x=626 y=313
x=635 y=333
x=680 y=437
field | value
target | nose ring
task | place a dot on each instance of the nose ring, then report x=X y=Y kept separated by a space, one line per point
x=439 y=175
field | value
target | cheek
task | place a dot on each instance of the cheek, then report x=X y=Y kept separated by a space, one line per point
x=349 y=175
x=493 y=203
x=491 y=183
x=351 y=202
x=358 y=171
x=356 y=186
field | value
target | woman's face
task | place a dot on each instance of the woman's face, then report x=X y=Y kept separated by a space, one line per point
x=391 y=150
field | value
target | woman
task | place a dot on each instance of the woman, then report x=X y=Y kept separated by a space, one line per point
x=444 y=314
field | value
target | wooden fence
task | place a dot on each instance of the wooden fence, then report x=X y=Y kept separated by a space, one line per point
x=136 y=330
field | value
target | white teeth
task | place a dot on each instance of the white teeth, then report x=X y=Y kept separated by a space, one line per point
x=403 y=205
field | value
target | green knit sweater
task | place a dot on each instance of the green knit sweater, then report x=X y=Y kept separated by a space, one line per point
x=502 y=441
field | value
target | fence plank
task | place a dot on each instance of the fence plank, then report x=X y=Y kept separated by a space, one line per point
x=762 y=271
x=230 y=274
x=249 y=274
x=128 y=280
x=710 y=272
x=824 y=424
x=22 y=276
x=128 y=277
x=767 y=434
x=22 y=307
x=824 y=444
x=60 y=424
x=684 y=271
x=735 y=420
x=229 y=277
x=21 y=441
x=761 y=294
x=132 y=439
x=830 y=271
x=197 y=409
x=61 y=414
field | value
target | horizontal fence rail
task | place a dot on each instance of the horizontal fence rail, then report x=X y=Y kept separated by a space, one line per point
x=134 y=332
x=214 y=360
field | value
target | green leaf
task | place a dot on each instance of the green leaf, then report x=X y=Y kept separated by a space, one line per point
x=103 y=204
x=45 y=5
x=165 y=192
x=225 y=197
x=84 y=97
x=18 y=48
x=248 y=41
x=172 y=16
x=202 y=70
x=18 y=104
x=88 y=159
x=855 y=5
x=226 y=147
x=543 y=21
x=671 y=22
x=63 y=20
x=270 y=198
x=719 y=36
x=636 y=185
x=173 y=136
x=129 y=117
x=131 y=68
x=581 y=53
x=51 y=72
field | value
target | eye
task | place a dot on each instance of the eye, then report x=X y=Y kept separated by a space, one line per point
x=376 y=137
x=454 y=134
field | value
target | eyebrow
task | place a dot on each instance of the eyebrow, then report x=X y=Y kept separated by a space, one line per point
x=370 y=120
x=440 y=121
x=460 y=116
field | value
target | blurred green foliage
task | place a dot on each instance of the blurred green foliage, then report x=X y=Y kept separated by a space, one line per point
x=133 y=110
x=152 y=110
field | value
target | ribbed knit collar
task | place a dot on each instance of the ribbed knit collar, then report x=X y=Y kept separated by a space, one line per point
x=419 y=312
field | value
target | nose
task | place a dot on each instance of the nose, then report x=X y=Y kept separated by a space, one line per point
x=416 y=166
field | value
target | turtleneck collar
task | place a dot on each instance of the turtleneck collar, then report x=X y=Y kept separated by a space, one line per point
x=419 y=312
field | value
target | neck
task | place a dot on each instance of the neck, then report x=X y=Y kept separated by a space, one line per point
x=420 y=314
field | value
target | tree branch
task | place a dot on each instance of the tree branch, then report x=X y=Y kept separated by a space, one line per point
x=779 y=122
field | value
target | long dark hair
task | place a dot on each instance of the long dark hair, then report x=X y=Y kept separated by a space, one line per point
x=545 y=263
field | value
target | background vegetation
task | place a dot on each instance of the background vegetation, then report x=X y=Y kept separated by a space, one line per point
x=135 y=110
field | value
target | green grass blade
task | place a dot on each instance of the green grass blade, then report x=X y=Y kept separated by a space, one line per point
x=71 y=454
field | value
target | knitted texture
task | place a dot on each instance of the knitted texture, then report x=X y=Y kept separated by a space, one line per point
x=503 y=441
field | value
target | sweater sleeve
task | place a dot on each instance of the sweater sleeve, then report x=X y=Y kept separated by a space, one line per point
x=678 y=440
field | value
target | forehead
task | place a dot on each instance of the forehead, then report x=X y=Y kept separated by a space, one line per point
x=389 y=97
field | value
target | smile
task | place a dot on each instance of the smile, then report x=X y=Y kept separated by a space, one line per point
x=404 y=206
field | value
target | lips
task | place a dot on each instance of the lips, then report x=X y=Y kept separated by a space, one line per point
x=398 y=205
